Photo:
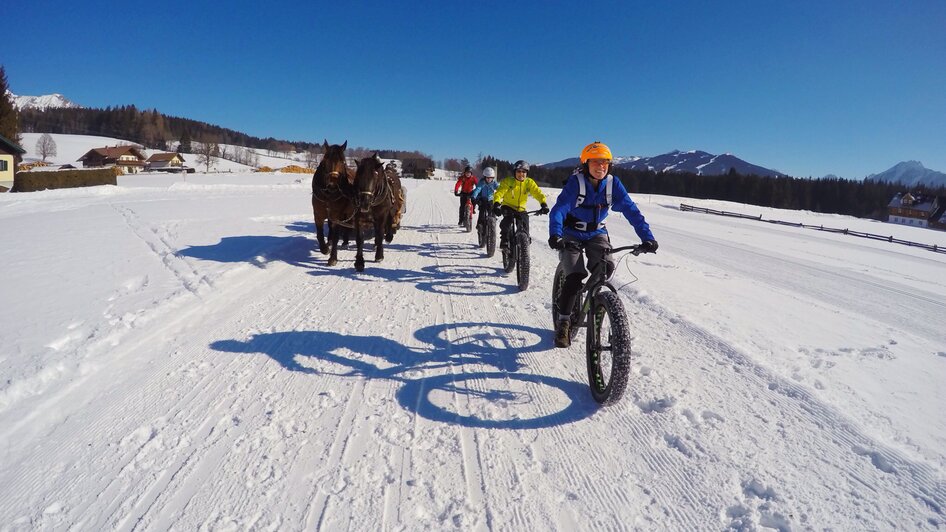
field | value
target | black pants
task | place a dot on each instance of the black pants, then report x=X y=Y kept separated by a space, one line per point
x=485 y=205
x=573 y=263
x=506 y=225
x=463 y=199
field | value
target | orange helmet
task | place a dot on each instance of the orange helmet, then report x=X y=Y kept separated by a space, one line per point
x=596 y=150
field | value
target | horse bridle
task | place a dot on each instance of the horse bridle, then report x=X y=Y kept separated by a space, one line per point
x=328 y=191
x=380 y=191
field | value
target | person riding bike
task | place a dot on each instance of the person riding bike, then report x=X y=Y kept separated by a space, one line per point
x=464 y=187
x=510 y=200
x=482 y=195
x=578 y=216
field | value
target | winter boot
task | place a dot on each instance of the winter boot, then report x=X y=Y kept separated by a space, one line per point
x=563 y=333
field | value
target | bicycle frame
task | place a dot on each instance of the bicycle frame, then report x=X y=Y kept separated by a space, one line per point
x=596 y=281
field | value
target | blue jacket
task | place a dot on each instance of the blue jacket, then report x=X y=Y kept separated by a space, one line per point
x=594 y=209
x=485 y=190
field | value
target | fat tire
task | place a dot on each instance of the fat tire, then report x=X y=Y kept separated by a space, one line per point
x=490 y=237
x=558 y=283
x=509 y=262
x=610 y=391
x=522 y=261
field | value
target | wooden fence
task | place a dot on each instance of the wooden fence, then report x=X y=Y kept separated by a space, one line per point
x=934 y=248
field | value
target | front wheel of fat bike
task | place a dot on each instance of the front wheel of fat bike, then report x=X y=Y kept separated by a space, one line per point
x=522 y=261
x=608 y=348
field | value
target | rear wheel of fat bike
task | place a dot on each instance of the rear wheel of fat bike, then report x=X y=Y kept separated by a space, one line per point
x=522 y=261
x=558 y=283
x=608 y=348
x=509 y=255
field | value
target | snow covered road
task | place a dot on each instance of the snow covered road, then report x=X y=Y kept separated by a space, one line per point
x=182 y=358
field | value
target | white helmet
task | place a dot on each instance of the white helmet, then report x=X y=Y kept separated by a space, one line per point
x=489 y=172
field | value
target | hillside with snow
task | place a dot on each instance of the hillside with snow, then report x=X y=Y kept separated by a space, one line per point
x=177 y=355
x=70 y=147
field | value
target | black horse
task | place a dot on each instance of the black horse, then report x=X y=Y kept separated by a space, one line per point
x=378 y=205
x=331 y=190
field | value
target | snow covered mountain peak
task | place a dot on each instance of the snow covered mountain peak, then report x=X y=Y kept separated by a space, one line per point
x=47 y=101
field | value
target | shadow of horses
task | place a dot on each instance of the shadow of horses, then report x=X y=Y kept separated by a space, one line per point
x=502 y=388
x=256 y=250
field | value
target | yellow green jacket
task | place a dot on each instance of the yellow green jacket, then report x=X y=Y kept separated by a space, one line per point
x=513 y=193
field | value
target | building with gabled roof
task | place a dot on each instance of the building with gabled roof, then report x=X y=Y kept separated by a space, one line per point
x=917 y=210
x=165 y=162
x=11 y=154
x=127 y=158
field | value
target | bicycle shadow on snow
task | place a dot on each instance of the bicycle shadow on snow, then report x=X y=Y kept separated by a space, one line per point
x=499 y=396
x=475 y=280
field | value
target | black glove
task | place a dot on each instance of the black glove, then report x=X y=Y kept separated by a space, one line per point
x=649 y=246
x=544 y=209
x=555 y=242
x=497 y=209
x=457 y=194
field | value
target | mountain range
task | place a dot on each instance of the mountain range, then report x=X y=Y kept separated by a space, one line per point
x=694 y=161
x=912 y=174
x=909 y=173
x=48 y=101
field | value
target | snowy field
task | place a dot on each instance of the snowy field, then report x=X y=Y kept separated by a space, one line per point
x=176 y=355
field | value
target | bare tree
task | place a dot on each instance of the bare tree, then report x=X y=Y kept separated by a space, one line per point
x=206 y=152
x=313 y=156
x=46 y=146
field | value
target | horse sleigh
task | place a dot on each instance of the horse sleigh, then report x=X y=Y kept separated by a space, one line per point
x=368 y=198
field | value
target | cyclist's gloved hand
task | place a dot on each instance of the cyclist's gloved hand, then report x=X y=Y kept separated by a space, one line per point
x=555 y=242
x=544 y=209
x=497 y=209
x=457 y=194
x=649 y=246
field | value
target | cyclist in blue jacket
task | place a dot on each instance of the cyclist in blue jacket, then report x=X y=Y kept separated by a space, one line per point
x=578 y=216
x=482 y=194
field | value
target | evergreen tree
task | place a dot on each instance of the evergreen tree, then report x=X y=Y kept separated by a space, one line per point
x=9 y=127
x=185 y=145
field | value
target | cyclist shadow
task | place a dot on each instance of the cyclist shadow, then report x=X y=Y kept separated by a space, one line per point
x=446 y=279
x=456 y=355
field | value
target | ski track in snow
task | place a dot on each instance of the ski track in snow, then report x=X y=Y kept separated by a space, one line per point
x=289 y=395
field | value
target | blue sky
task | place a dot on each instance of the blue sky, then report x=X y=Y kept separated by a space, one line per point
x=806 y=87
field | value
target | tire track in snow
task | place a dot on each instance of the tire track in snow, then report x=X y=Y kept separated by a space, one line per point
x=791 y=409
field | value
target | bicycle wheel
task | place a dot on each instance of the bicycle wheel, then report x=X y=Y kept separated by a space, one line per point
x=558 y=283
x=522 y=261
x=490 y=230
x=468 y=217
x=509 y=255
x=608 y=348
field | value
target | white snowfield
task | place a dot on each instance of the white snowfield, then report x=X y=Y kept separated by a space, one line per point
x=177 y=355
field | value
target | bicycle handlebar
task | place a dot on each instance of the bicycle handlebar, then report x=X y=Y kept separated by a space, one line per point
x=635 y=249
x=510 y=210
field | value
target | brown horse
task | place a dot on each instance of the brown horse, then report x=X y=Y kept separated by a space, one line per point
x=331 y=186
x=378 y=205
